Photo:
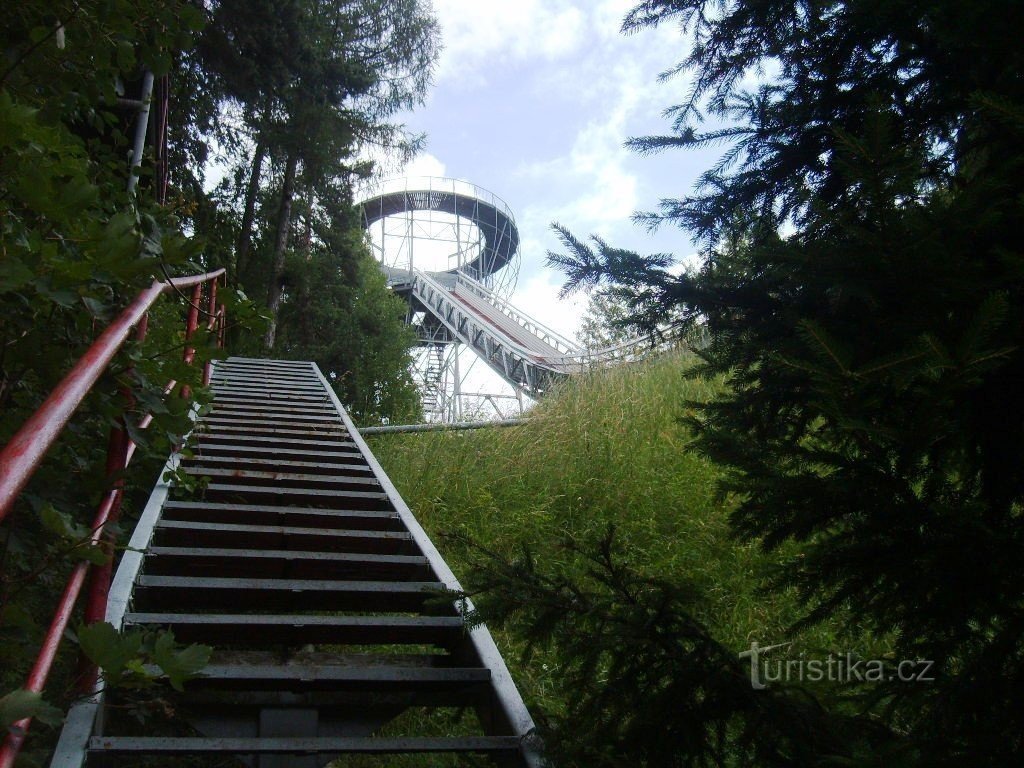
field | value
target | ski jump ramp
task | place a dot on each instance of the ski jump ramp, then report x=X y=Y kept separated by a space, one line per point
x=457 y=304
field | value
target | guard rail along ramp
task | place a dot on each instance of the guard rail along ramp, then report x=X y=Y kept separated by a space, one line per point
x=526 y=354
x=521 y=350
x=321 y=594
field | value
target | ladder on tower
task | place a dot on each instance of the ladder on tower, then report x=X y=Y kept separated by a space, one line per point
x=322 y=596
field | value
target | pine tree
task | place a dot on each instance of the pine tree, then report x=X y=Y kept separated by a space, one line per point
x=863 y=286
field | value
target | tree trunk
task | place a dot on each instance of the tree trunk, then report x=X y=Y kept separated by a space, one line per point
x=284 y=215
x=249 y=214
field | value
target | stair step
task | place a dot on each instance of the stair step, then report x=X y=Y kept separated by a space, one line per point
x=321 y=745
x=254 y=430
x=269 y=361
x=275 y=410
x=247 y=630
x=342 y=499
x=228 y=450
x=271 y=391
x=275 y=415
x=213 y=421
x=270 y=397
x=282 y=564
x=275 y=383
x=280 y=464
x=356 y=476
x=183 y=533
x=378 y=677
x=239 y=368
x=176 y=592
x=214 y=425
x=260 y=441
x=268 y=514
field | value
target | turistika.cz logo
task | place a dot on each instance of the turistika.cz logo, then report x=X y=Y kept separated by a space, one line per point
x=841 y=668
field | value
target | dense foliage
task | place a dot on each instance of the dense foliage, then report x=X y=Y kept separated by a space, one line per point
x=863 y=292
x=293 y=93
x=285 y=97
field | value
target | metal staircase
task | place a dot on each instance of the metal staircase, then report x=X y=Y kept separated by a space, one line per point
x=302 y=566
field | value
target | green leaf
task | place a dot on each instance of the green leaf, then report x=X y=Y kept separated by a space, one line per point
x=109 y=649
x=13 y=274
x=125 y=55
x=96 y=307
x=183 y=665
x=92 y=553
x=20 y=704
x=61 y=524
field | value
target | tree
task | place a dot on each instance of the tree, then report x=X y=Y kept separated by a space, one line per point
x=605 y=323
x=318 y=81
x=863 y=287
x=340 y=313
x=76 y=247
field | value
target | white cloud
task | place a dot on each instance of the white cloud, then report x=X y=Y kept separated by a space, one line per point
x=537 y=296
x=425 y=164
x=476 y=33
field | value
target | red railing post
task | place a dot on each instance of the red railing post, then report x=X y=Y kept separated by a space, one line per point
x=25 y=451
x=190 y=328
x=119 y=452
x=211 y=326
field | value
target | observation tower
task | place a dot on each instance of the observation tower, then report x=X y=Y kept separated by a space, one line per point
x=451 y=250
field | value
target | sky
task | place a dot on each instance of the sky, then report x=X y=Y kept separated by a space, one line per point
x=533 y=100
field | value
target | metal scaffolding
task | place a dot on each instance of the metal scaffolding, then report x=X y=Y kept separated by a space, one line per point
x=444 y=227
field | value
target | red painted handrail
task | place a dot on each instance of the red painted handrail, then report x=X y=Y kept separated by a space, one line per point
x=23 y=454
x=25 y=451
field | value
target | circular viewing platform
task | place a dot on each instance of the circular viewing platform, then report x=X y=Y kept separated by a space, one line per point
x=461 y=199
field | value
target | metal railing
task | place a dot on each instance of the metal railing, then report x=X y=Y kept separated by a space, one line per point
x=378 y=188
x=541 y=331
x=519 y=365
x=26 y=450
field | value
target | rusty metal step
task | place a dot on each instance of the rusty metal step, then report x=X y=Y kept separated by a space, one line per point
x=260 y=630
x=385 y=678
x=213 y=421
x=323 y=745
x=269 y=514
x=315 y=430
x=221 y=431
x=304 y=441
x=283 y=564
x=184 y=533
x=247 y=405
x=352 y=476
x=249 y=395
x=327 y=498
x=280 y=464
x=166 y=593
x=274 y=412
x=284 y=383
x=208 y=448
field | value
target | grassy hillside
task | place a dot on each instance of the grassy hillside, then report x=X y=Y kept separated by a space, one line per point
x=604 y=449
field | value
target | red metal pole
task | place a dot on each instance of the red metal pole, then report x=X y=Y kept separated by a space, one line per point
x=22 y=454
x=120 y=449
x=36 y=680
x=26 y=449
x=190 y=328
x=211 y=327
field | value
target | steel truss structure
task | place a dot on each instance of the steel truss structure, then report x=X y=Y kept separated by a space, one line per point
x=458 y=298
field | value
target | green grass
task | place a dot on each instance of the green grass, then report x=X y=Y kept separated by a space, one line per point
x=606 y=448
